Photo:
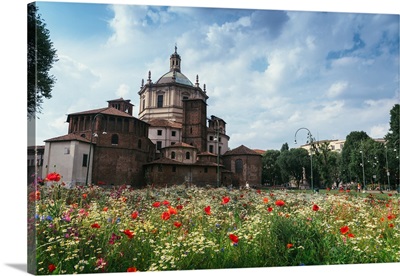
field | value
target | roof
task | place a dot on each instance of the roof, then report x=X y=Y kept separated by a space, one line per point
x=241 y=150
x=260 y=151
x=181 y=145
x=68 y=137
x=179 y=78
x=164 y=123
x=105 y=110
x=167 y=161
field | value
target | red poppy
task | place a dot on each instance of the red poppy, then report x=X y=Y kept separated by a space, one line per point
x=156 y=204
x=53 y=177
x=344 y=229
x=279 y=203
x=105 y=209
x=35 y=195
x=258 y=191
x=166 y=202
x=269 y=209
x=225 y=199
x=350 y=235
x=51 y=268
x=95 y=225
x=390 y=217
x=84 y=196
x=165 y=216
x=315 y=207
x=129 y=233
x=172 y=211
x=234 y=238
x=177 y=224
x=289 y=245
x=131 y=269
x=265 y=199
x=391 y=225
x=207 y=210
x=179 y=207
x=389 y=194
x=134 y=215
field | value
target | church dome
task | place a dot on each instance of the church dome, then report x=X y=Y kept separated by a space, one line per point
x=174 y=76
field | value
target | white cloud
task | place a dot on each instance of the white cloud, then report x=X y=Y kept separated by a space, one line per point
x=336 y=89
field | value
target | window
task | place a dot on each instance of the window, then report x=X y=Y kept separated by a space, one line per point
x=206 y=170
x=211 y=148
x=114 y=139
x=160 y=99
x=173 y=133
x=211 y=138
x=143 y=104
x=160 y=168
x=238 y=166
x=173 y=168
x=173 y=155
x=159 y=145
x=159 y=132
x=185 y=98
x=85 y=160
x=187 y=155
x=172 y=143
x=140 y=143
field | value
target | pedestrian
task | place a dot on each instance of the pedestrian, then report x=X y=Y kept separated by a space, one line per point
x=359 y=188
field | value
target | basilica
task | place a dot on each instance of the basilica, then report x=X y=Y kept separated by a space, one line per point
x=173 y=140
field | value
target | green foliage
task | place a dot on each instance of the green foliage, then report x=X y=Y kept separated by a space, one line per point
x=292 y=162
x=41 y=56
x=271 y=172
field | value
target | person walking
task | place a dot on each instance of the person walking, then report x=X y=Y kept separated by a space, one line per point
x=359 y=188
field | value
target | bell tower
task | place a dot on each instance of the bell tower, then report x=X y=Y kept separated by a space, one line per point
x=175 y=61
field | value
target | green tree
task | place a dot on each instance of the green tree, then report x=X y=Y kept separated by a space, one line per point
x=350 y=153
x=271 y=173
x=41 y=57
x=293 y=163
x=284 y=147
x=392 y=137
x=327 y=164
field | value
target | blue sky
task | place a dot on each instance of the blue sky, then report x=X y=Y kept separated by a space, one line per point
x=268 y=72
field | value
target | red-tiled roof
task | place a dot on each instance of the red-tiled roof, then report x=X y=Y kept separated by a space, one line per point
x=104 y=110
x=68 y=137
x=181 y=145
x=241 y=150
x=164 y=123
x=259 y=151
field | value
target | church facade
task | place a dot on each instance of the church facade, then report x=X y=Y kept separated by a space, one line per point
x=173 y=140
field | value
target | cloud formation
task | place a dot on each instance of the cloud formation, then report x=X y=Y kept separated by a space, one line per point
x=267 y=72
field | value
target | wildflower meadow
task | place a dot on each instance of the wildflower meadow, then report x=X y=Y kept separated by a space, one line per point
x=92 y=229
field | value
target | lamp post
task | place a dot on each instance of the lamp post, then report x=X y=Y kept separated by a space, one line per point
x=387 y=167
x=311 y=143
x=90 y=145
x=362 y=165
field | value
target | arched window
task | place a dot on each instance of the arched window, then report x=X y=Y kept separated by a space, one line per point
x=114 y=139
x=187 y=155
x=238 y=166
x=173 y=155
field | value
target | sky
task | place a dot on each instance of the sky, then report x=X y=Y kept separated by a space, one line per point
x=267 y=72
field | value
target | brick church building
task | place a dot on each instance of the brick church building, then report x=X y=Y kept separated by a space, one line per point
x=172 y=141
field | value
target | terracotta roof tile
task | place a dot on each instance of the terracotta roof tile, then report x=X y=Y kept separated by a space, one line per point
x=68 y=137
x=181 y=145
x=164 y=123
x=241 y=150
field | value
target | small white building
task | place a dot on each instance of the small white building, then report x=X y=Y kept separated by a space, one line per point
x=68 y=156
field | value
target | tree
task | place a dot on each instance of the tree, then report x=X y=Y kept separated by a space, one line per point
x=392 y=137
x=351 y=149
x=292 y=163
x=41 y=57
x=271 y=173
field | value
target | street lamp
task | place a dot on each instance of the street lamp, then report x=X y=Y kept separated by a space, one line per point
x=387 y=168
x=90 y=145
x=311 y=143
x=362 y=165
